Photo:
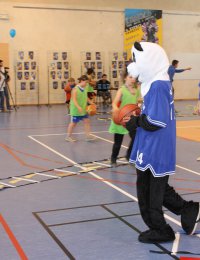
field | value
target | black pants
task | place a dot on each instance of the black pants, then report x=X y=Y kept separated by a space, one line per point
x=6 y=94
x=154 y=193
x=118 y=139
x=2 y=100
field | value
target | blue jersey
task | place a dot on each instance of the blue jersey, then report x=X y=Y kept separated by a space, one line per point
x=172 y=70
x=156 y=150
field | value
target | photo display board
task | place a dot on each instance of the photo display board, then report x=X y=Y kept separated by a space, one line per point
x=118 y=62
x=59 y=71
x=26 y=77
x=94 y=60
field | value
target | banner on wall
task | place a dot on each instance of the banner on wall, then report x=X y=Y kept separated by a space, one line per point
x=142 y=25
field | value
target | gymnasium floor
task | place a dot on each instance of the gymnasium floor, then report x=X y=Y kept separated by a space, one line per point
x=61 y=200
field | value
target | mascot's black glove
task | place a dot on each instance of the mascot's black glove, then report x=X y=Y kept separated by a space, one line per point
x=133 y=123
x=140 y=121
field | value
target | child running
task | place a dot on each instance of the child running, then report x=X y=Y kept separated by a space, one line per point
x=78 y=112
x=127 y=94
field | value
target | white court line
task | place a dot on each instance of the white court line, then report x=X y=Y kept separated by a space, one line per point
x=47 y=175
x=178 y=166
x=186 y=169
x=103 y=164
x=59 y=170
x=24 y=179
x=5 y=184
x=122 y=161
x=107 y=140
x=176 y=244
x=80 y=133
x=100 y=178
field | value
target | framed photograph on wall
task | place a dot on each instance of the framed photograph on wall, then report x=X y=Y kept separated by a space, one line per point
x=116 y=84
x=94 y=60
x=98 y=55
x=99 y=75
x=63 y=84
x=52 y=66
x=64 y=55
x=114 y=74
x=33 y=75
x=55 y=84
x=23 y=85
x=33 y=65
x=99 y=65
x=66 y=65
x=59 y=74
x=115 y=55
x=55 y=55
x=26 y=65
x=59 y=65
x=32 y=85
x=26 y=75
x=59 y=71
x=19 y=75
x=31 y=55
x=26 y=69
x=88 y=56
x=118 y=62
x=19 y=66
x=21 y=55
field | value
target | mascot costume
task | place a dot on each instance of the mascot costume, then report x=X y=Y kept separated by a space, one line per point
x=154 y=149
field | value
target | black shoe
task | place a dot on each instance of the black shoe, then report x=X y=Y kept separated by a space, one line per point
x=190 y=217
x=113 y=164
x=151 y=236
x=127 y=158
x=144 y=233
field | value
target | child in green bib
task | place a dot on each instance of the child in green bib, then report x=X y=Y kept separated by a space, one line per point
x=78 y=105
x=128 y=93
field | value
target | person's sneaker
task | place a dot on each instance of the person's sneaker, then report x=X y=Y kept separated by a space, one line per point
x=10 y=109
x=90 y=138
x=70 y=139
x=113 y=164
x=166 y=234
x=127 y=158
x=142 y=234
x=190 y=217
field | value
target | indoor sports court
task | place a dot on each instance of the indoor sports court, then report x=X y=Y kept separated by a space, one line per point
x=63 y=198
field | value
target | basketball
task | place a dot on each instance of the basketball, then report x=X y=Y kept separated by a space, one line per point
x=68 y=88
x=91 y=110
x=115 y=117
x=127 y=110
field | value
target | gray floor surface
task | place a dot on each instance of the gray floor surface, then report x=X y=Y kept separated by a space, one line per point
x=52 y=210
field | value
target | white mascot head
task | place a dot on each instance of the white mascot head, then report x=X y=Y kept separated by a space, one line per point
x=151 y=63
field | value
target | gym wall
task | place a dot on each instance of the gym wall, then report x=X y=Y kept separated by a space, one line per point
x=78 y=26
